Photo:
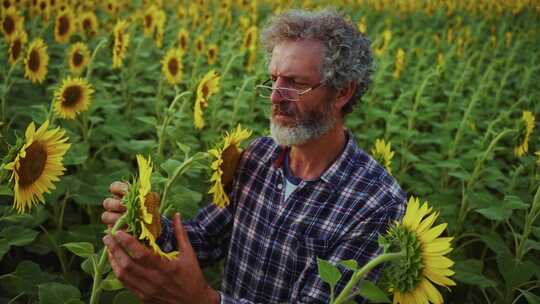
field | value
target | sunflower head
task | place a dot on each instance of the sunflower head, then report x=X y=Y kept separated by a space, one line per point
x=88 y=24
x=121 y=42
x=36 y=61
x=64 y=26
x=72 y=97
x=36 y=164
x=525 y=129
x=225 y=158
x=11 y=22
x=149 y=20
x=143 y=218
x=199 y=45
x=171 y=66
x=208 y=86
x=411 y=277
x=78 y=58
x=250 y=39
x=16 y=46
x=183 y=39
x=212 y=53
x=383 y=154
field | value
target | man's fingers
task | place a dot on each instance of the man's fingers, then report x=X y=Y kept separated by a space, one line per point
x=138 y=251
x=110 y=218
x=182 y=238
x=118 y=188
x=113 y=204
x=130 y=281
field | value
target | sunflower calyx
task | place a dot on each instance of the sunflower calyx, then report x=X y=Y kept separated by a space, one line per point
x=404 y=273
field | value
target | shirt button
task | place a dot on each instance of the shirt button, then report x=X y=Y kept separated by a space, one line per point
x=279 y=186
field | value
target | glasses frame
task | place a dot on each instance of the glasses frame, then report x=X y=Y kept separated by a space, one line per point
x=300 y=93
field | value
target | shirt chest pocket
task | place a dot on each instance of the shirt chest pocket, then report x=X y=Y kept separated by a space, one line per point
x=307 y=249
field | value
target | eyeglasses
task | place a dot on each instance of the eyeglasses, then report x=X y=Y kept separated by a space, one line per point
x=264 y=90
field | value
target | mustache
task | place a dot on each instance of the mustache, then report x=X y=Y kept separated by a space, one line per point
x=283 y=108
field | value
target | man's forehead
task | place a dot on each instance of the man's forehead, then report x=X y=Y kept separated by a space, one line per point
x=300 y=58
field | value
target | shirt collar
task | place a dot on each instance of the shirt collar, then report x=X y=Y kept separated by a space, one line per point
x=334 y=174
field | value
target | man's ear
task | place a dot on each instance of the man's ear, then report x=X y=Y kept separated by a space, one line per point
x=344 y=95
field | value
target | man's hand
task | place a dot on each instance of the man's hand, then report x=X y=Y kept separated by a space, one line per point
x=154 y=279
x=113 y=205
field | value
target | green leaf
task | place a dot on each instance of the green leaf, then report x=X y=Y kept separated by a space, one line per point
x=4 y=247
x=111 y=283
x=151 y=120
x=328 y=272
x=514 y=272
x=470 y=272
x=349 y=264
x=18 y=236
x=170 y=166
x=125 y=297
x=26 y=278
x=77 y=154
x=5 y=190
x=514 y=202
x=82 y=249
x=531 y=298
x=373 y=293
x=54 y=293
x=495 y=242
x=495 y=212
x=90 y=264
x=184 y=148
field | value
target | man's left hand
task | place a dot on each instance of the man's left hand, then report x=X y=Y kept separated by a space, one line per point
x=154 y=279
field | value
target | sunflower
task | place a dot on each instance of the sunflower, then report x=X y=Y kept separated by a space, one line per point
x=44 y=10
x=78 y=58
x=161 y=17
x=250 y=39
x=121 y=42
x=72 y=97
x=411 y=278
x=12 y=22
x=171 y=66
x=64 y=26
x=225 y=160
x=212 y=53
x=183 y=39
x=362 y=27
x=37 y=164
x=206 y=88
x=149 y=21
x=399 y=63
x=383 y=154
x=16 y=46
x=525 y=130
x=88 y=23
x=199 y=45
x=36 y=61
x=143 y=218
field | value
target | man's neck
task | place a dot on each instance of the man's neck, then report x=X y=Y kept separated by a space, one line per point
x=311 y=159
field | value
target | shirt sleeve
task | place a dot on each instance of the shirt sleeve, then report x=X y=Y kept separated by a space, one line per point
x=361 y=245
x=209 y=233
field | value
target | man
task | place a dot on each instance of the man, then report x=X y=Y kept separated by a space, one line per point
x=307 y=192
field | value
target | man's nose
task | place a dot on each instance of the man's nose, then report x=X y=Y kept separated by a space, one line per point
x=277 y=97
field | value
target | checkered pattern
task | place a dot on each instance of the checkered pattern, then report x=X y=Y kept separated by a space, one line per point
x=270 y=244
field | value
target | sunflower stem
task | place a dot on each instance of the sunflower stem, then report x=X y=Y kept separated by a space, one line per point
x=157 y=102
x=529 y=221
x=360 y=273
x=94 y=53
x=98 y=269
x=166 y=120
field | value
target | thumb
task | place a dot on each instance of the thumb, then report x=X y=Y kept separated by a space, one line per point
x=182 y=239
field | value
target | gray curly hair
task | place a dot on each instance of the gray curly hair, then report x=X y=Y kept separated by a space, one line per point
x=347 y=55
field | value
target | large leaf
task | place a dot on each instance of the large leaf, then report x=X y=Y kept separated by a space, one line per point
x=125 y=297
x=531 y=298
x=26 y=277
x=513 y=271
x=54 y=293
x=470 y=272
x=82 y=249
x=373 y=293
x=328 y=272
x=111 y=282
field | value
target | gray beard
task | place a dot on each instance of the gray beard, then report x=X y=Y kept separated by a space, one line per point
x=303 y=132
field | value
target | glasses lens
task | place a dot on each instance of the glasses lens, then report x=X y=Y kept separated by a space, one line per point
x=289 y=94
x=264 y=91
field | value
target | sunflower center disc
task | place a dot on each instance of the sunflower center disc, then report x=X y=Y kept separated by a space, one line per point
x=86 y=25
x=9 y=25
x=77 y=59
x=205 y=90
x=72 y=96
x=43 y=5
x=6 y=4
x=64 y=25
x=34 y=61
x=15 y=49
x=173 y=66
x=33 y=164
x=230 y=157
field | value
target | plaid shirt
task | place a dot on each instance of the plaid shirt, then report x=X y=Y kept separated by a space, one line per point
x=270 y=244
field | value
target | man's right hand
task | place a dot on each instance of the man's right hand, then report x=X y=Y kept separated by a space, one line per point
x=113 y=205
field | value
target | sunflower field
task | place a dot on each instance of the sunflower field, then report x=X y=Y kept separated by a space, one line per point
x=162 y=94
